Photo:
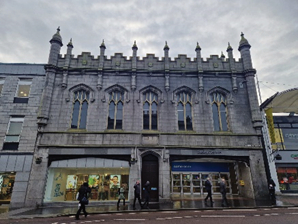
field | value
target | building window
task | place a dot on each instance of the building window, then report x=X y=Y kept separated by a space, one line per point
x=149 y=111
x=1 y=85
x=115 y=110
x=219 y=111
x=184 y=111
x=23 y=91
x=12 y=137
x=80 y=109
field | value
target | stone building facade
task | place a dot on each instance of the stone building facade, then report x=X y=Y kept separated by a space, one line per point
x=113 y=121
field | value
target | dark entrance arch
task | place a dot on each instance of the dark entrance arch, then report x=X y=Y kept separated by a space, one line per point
x=150 y=172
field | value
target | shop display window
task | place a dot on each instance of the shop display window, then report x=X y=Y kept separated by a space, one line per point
x=288 y=178
x=104 y=185
x=6 y=186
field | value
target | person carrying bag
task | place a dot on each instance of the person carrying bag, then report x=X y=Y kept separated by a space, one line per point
x=82 y=197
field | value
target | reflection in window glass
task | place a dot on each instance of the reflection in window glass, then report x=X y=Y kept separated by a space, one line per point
x=146 y=115
x=1 y=85
x=150 y=111
x=80 y=109
x=219 y=111
x=115 y=110
x=184 y=111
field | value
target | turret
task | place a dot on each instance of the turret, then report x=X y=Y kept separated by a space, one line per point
x=199 y=60
x=166 y=53
x=167 y=67
x=66 y=64
x=134 y=66
x=244 y=47
x=56 y=44
x=102 y=48
x=101 y=64
x=199 y=68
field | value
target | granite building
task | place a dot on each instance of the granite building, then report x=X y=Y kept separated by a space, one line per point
x=112 y=121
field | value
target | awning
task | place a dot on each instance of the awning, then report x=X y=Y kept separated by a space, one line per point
x=282 y=102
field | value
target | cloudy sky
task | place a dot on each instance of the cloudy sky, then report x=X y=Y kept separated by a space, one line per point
x=270 y=26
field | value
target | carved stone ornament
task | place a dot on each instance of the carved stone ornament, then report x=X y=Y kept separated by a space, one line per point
x=153 y=89
x=116 y=88
x=221 y=90
x=184 y=89
x=80 y=87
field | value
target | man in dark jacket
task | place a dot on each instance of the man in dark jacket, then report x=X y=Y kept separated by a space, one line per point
x=271 y=186
x=147 y=194
x=84 y=192
x=223 y=192
x=137 y=188
x=208 y=187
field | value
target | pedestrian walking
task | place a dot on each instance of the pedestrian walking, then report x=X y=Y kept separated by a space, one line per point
x=271 y=186
x=223 y=192
x=208 y=187
x=83 y=196
x=147 y=189
x=137 y=192
x=121 y=195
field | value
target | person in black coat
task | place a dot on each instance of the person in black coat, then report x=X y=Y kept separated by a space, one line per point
x=208 y=187
x=137 y=188
x=147 y=194
x=84 y=191
x=271 y=187
x=223 y=192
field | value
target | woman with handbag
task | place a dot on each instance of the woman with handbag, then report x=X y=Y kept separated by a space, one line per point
x=83 y=196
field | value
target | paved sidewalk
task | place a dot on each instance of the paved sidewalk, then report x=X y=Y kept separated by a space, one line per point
x=187 y=202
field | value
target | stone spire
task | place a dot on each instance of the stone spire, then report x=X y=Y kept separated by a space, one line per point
x=56 y=44
x=244 y=47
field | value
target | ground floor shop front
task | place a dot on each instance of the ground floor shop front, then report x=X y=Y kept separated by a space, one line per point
x=287 y=171
x=105 y=176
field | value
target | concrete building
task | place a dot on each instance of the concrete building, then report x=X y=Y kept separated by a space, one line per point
x=173 y=122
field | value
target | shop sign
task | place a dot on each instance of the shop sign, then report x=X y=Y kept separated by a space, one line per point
x=196 y=166
x=294 y=156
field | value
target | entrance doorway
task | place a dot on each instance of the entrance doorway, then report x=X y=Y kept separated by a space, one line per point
x=150 y=172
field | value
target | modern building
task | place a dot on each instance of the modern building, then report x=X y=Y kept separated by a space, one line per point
x=281 y=115
x=170 y=121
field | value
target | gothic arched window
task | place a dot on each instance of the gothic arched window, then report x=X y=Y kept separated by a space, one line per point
x=150 y=111
x=219 y=111
x=115 y=117
x=80 y=109
x=184 y=111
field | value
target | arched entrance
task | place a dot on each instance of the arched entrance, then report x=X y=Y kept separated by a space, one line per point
x=150 y=172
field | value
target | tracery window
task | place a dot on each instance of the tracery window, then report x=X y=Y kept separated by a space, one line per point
x=150 y=111
x=115 y=117
x=219 y=111
x=80 y=109
x=184 y=111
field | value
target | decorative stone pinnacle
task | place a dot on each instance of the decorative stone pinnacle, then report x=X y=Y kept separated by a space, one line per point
x=166 y=46
x=135 y=45
x=103 y=44
x=222 y=55
x=243 y=40
x=198 y=46
x=70 y=43
x=229 y=47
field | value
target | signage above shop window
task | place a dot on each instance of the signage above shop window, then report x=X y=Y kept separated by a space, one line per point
x=202 y=167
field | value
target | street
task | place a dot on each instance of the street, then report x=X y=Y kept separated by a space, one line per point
x=224 y=216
